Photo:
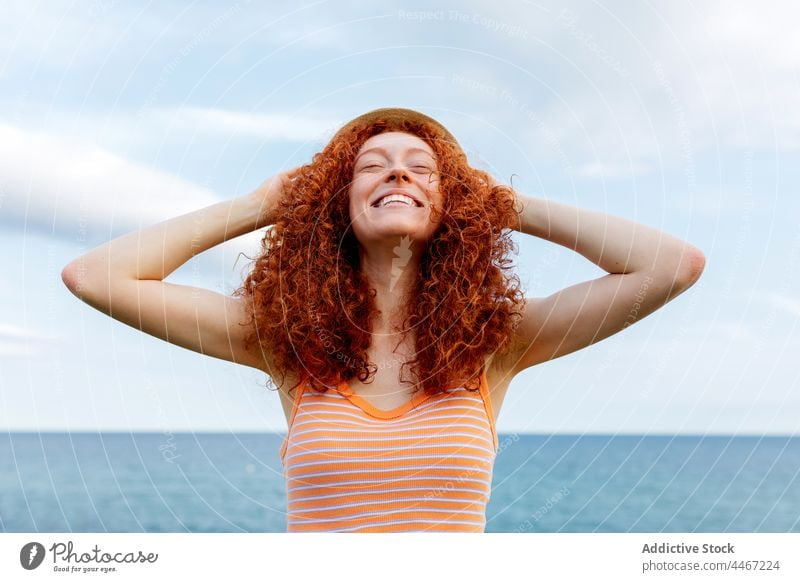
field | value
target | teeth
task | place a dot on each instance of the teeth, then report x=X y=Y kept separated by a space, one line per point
x=396 y=198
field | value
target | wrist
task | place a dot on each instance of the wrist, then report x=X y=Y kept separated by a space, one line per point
x=533 y=215
x=255 y=207
x=245 y=214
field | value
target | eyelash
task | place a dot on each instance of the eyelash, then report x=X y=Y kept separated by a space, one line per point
x=425 y=168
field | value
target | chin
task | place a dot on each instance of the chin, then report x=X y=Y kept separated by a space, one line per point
x=415 y=232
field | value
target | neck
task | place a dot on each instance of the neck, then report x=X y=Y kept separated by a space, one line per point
x=391 y=269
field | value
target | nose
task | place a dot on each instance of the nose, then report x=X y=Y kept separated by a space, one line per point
x=398 y=174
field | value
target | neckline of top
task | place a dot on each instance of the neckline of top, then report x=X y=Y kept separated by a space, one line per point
x=417 y=399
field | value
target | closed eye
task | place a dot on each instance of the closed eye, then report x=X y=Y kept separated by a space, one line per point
x=419 y=169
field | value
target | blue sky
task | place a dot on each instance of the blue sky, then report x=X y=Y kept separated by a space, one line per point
x=682 y=116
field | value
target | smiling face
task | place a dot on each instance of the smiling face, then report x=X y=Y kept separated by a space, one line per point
x=395 y=183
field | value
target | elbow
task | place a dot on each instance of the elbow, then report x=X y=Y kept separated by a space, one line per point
x=74 y=277
x=70 y=278
x=692 y=265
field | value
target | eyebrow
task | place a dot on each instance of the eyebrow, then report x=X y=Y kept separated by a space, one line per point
x=386 y=154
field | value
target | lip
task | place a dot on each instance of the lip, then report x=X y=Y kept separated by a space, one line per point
x=396 y=191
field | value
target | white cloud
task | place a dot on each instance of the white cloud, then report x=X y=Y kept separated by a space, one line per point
x=15 y=332
x=17 y=341
x=86 y=195
x=141 y=131
x=266 y=126
x=17 y=351
x=598 y=169
x=767 y=28
x=48 y=34
x=733 y=331
x=713 y=202
x=735 y=72
x=60 y=34
x=75 y=189
x=787 y=304
x=698 y=78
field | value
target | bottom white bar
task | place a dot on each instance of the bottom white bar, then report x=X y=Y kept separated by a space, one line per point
x=373 y=557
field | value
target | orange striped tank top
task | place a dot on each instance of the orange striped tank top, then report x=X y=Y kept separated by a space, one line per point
x=423 y=466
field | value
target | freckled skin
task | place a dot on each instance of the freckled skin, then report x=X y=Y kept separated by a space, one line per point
x=406 y=163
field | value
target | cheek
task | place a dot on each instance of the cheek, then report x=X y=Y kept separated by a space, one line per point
x=436 y=196
x=433 y=188
x=354 y=210
x=356 y=203
x=359 y=189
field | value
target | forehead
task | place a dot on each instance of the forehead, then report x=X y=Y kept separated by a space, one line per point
x=395 y=141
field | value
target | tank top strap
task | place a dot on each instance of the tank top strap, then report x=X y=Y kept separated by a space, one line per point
x=487 y=404
x=295 y=405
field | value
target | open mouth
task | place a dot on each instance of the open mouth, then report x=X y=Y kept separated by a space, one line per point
x=399 y=200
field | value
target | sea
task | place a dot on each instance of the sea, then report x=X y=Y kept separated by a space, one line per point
x=233 y=482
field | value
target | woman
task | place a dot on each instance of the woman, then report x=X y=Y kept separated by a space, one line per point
x=383 y=310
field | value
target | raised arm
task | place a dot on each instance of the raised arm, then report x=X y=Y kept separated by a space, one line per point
x=647 y=268
x=123 y=278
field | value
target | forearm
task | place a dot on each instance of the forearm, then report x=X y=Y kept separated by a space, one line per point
x=156 y=251
x=615 y=244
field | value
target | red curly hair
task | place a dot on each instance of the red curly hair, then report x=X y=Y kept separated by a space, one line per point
x=310 y=306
